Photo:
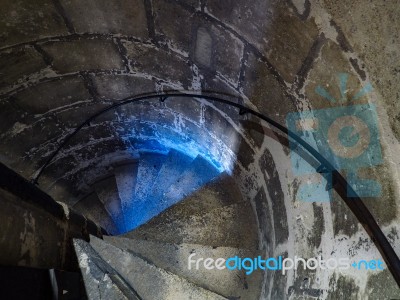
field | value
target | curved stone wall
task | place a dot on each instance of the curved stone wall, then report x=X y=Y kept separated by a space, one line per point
x=62 y=61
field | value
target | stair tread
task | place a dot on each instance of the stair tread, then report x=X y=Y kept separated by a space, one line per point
x=197 y=174
x=175 y=164
x=107 y=191
x=232 y=226
x=149 y=166
x=125 y=177
x=174 y=258
x=99 y=277
x=149 y=281
x=93 y=208
x=219 y=192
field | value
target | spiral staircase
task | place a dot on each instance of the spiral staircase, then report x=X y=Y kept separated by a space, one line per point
x=158 y=210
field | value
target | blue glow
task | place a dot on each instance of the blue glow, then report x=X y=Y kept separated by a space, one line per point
x=155 y=138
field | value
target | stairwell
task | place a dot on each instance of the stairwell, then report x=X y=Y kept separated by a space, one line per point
x=160 y=209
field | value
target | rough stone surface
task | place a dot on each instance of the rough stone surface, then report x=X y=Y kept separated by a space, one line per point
x=122 y=17
x=325 y=73
x=174 y=258
x=158 y=63
x=205 y=42
x=373 y=32
x=18 y=64
x=23 y=21
x=24 y=245
x=259 y=53
x=98 y=275
x=52 y=96
x=274 y=187
x=107 y=191
x=282 y=37
x=173 y=167
x=230 y=226
x=91 y=207
x=83 y=55
x=186 y=107
x=264 y=91
x=126 y=178
x=146 y=279
x=168 y=17
x=110 y=87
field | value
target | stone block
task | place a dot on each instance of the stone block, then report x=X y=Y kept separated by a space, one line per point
x=23 y=20
x=223 y=130
x=158 y=63
x=118 y=87
x=124 y=17
x=173 y=22
x=17 y=64
x=75 y=115
x=205 y=42
x=24 y=139
x=214 y=85
x=227 y=59
x=51 y=95
x=187 y=107
x=210 y=50
x=83 y=55
x=268 y=25
x=264 y=91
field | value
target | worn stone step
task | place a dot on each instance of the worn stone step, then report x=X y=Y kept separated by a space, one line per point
x=100 y=279
x=93 y=208
x=148 y=168
x=149 y=281
x=175 y=164
x=219 y=192
x=126 y=176
x=107 y=191
x=230 y=226
x=198 y=173
x=174 y=258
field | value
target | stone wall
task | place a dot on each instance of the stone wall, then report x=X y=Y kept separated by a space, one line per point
x=62 y=61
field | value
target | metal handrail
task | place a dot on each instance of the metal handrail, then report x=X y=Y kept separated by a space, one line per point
x=340 y=184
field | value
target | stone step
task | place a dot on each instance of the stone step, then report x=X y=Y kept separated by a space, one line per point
x=100 y=279
x=230 y=226
x=219 y=192
x=148 y=169
x=233 y=284
x=175 y=164
x=107 y=191
x=125 y=176
x=149 y=281
x=93 y=208
x=149 y=166
x=199 y=173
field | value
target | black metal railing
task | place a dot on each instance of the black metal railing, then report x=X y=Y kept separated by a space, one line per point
x=339 y=184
